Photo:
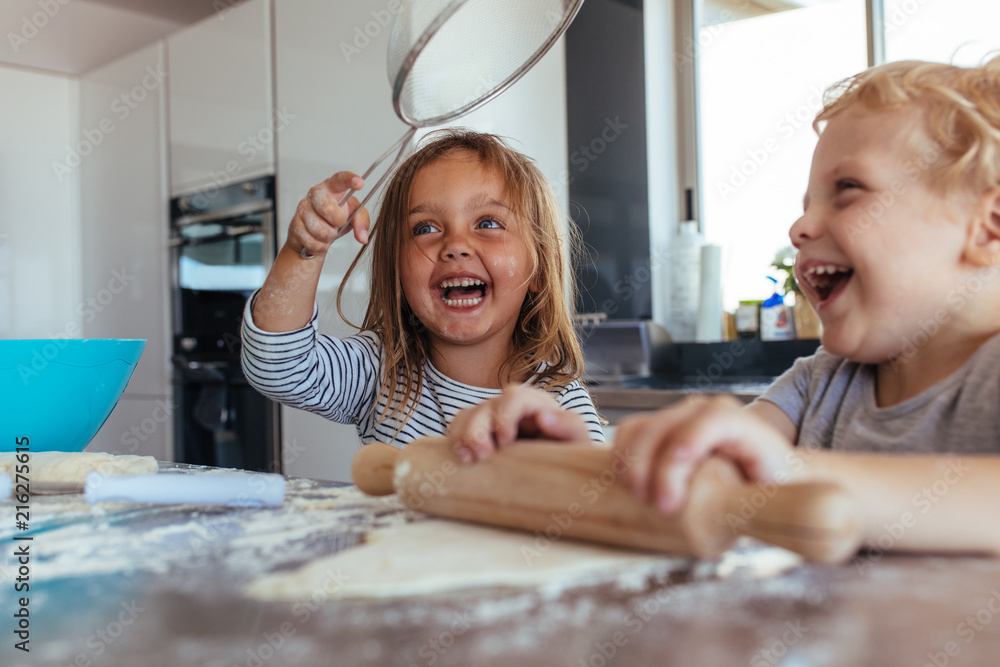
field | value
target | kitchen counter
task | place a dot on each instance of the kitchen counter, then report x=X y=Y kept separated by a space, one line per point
x=741 y=368
x=619 y=399
x=129 y=585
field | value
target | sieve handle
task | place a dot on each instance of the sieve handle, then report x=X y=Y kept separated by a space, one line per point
x=402 y=146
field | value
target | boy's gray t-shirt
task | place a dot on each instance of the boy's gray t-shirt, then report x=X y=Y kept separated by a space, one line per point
x=832 y=402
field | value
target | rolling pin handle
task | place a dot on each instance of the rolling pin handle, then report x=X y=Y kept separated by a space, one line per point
x=374 y=467
x=818 y=520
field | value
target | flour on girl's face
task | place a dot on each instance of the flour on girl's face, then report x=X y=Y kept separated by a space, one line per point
x=511 y=266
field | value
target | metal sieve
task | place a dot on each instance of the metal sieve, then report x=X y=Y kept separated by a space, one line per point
x=449 y=57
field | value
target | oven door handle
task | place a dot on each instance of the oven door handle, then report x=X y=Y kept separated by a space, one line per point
x=240 y=211
x=244 y=229
x=231 y=232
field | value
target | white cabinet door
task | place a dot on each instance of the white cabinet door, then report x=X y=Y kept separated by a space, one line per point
x=123 y=202
x=330 y=74
x=222 y=123
x=40 y=145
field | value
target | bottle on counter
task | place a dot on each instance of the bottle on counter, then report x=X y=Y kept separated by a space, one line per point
x=747 y=319
x=685 y=281
x=710 y=321
x=776 y=319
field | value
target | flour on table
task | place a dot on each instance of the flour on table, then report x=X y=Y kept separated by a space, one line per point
x=439 y=556
x=72 y=467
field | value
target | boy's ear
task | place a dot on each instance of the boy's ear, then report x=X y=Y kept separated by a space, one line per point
x=982 y=247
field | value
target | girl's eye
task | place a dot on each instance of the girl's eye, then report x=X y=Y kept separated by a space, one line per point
x=423 y=228
x=489 y=223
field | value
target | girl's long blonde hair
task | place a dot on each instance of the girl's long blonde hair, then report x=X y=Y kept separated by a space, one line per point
x=545 y=346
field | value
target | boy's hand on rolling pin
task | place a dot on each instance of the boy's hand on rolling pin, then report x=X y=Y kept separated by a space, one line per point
x=666 y=447
x=318 y=218
x=519 y=412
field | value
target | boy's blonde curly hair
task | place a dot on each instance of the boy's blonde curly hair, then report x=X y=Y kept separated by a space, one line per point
x=960 y=106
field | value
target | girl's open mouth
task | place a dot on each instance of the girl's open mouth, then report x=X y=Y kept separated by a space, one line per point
x=462 y=292
x=828 y=280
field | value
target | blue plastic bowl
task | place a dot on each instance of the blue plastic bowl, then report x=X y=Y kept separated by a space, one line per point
x=56 y=394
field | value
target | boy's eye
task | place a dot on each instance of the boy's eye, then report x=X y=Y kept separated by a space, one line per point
x=423 y=228
x=847 y=184
x=489 y=223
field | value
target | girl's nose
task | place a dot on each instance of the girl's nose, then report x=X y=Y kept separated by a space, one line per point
x=456 y=245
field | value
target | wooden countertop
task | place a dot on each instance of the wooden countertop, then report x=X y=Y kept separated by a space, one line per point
x=130 y=585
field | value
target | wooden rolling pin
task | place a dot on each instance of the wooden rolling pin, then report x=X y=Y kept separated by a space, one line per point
x=573 y=490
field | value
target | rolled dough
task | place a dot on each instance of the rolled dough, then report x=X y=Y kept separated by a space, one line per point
x=72 y=467
x=439 y=556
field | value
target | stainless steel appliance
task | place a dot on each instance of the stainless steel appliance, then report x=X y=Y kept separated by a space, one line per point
x=222 y=243
x=617 y=351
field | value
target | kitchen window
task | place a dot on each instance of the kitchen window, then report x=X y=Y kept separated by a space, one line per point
x=961 y=32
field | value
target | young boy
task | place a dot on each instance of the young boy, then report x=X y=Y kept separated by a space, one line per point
x=899 y=253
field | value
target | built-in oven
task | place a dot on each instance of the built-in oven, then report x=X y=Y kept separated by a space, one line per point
x=222 y=243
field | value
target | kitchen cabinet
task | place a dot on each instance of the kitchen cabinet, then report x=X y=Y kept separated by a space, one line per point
x=222 y=121
x=330 y=73
x=124 y=222
x=39 y=205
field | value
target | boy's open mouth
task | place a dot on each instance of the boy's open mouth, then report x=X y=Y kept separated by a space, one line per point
x=462 y=292
x=828 y=279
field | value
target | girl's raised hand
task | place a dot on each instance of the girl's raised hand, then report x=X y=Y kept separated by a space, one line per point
x=318 y=218
x=519 y=412
x=665 y=448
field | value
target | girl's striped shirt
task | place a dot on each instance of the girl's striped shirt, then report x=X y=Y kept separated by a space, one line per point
x=339 y=379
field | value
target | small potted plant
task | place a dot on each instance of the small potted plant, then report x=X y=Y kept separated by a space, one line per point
x=807 y=322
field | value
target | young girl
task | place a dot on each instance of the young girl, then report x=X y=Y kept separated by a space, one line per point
x=468 y=295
